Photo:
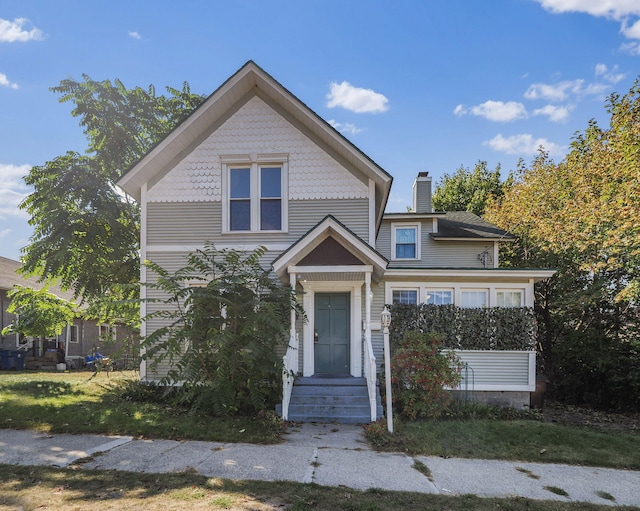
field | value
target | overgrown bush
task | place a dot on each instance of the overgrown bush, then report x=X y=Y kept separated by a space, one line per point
x=420 y=372
x=493 y=328
x=224 y=319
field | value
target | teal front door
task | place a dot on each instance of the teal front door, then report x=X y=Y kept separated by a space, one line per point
x=331 y=333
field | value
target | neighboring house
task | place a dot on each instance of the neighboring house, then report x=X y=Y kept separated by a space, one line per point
x=254 y=166
x=78 y=340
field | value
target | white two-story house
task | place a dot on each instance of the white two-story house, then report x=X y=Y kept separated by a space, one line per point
x=254 y=166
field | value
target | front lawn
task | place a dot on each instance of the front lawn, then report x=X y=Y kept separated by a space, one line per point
x=79 y=402
x=519 y=440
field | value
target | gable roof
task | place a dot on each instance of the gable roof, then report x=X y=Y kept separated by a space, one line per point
x=329 y=226
x=248 y=81
x=9 y=277
x=468 y=226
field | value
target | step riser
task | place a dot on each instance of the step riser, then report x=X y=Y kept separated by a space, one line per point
x=337 y=400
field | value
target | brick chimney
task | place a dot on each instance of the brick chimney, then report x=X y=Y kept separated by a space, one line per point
x=422 y=193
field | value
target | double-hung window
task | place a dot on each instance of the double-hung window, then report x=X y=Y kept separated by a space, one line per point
x=509 y=298
x=255 y=198
x=474 y=298
x=439 y=296
x=405 y=241
x=406 y=296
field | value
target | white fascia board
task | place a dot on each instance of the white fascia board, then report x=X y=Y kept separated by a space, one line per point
x=322 y=231
x=482 y=273
x=443 y=238
x=366 y=268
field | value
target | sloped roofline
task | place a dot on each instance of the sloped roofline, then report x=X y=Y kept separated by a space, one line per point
x=306 y=243
x=250 y=79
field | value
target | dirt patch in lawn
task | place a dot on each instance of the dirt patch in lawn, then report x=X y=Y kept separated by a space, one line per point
x=594 y=419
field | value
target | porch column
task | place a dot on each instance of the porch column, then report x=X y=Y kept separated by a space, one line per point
x=367 y=308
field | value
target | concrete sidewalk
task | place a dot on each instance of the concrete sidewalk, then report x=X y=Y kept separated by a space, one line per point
x=326 y=454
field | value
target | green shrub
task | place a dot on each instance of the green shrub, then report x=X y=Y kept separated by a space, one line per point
x=420 y=373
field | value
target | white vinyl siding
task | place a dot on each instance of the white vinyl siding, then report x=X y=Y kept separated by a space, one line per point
x=498 y=370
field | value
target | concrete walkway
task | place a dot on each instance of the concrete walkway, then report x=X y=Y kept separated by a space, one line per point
x=331 y=455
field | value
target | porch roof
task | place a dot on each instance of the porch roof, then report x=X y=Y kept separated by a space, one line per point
x=365 y=259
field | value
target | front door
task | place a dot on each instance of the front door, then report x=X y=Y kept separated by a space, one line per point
x=331 y=333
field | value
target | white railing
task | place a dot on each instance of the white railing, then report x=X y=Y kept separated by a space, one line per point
x=289 y=372
x=370 y=375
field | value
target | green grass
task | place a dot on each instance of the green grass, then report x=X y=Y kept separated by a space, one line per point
x=522 y=440
x=77 y=402
x=27 y=487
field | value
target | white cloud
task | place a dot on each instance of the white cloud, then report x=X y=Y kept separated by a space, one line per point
x=555 y=113
x=356 y=99
x=13 y=190
x=134 y=35
x=18 y=31
x=611 y=75
x=497 y=111
x=632 y=48
x=4 y=82
x=523 y=144
x=624 y=11
x=615 y=9
x=4 y=232
x=631 y=31
x=553 y=92
x=347 y=127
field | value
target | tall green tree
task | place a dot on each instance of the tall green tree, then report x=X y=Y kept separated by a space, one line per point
x=582 y=215
x=468 y=190
x=86 y=231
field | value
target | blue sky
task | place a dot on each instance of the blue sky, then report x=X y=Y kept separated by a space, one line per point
x=417 y=85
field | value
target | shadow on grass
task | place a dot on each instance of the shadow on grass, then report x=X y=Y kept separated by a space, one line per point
x=24 y=486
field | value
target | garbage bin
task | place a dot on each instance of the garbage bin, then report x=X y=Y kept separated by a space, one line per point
x=5 y=364
x=18 y=360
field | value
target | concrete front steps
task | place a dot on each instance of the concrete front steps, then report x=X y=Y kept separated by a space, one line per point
x=342 y=400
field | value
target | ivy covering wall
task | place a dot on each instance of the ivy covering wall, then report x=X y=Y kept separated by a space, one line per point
x=494 y=328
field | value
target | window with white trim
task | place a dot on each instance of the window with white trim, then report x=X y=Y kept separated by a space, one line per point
x=107 y=332
x=439 y=296
x=474 y=298
x=405 y=241
x=73 y=333
x=509 y=298
x=255 y=195
x=406 y=296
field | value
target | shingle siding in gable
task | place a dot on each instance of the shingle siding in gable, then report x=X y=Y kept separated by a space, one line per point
x=257 y=129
